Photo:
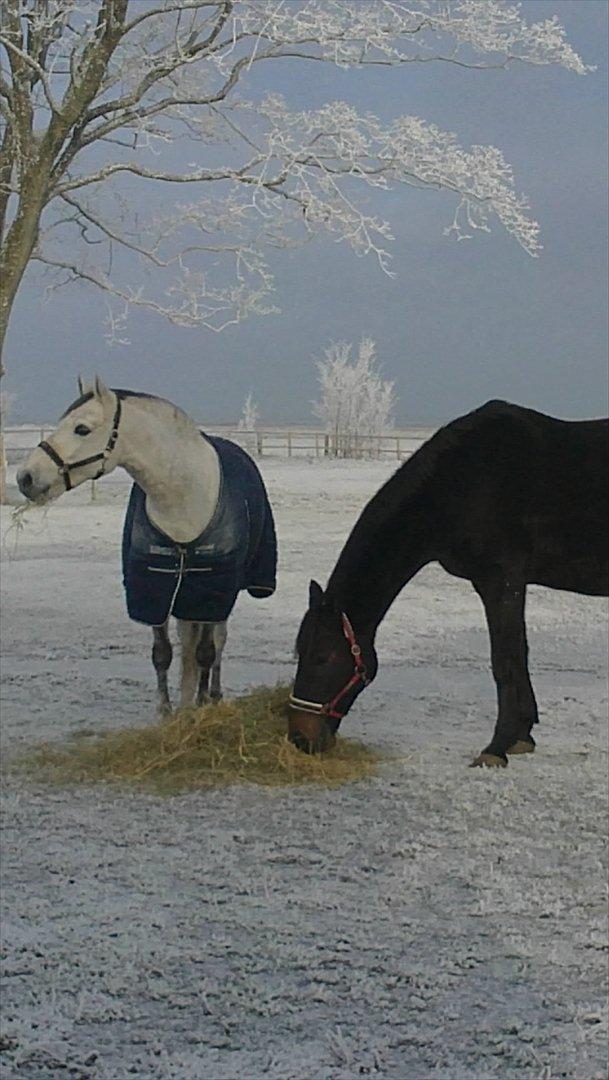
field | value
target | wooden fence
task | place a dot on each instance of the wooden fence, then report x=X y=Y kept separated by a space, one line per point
x=277 y=442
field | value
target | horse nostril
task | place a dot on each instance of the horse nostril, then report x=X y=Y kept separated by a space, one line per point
x=25 y=481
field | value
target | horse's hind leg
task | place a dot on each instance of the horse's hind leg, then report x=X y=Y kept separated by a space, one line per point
x=206 y=655
x=209 y=657
x=189 y=633
x=161 y=658
x=517 y=709
x=220 y=634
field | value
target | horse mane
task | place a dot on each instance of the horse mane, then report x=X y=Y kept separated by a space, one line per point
x=76 y=404
x=122 y=395
x=136 y=393
x=408 y=481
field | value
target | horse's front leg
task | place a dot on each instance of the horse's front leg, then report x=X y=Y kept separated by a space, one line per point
x=162 y=653
x=189 y=634
x=504 y=603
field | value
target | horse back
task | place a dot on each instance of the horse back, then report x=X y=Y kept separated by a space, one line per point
x=528 y=492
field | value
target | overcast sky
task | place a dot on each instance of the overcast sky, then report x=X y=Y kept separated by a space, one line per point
x=458 y=324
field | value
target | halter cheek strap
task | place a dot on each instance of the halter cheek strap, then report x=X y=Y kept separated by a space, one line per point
x=65 y=467
x=360 y=675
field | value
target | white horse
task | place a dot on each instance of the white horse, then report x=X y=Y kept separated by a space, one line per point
x=180 y=472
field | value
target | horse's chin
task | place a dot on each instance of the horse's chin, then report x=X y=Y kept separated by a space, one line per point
x=42 y=498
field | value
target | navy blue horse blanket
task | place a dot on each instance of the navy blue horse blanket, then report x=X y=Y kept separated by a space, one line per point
x=200 y=580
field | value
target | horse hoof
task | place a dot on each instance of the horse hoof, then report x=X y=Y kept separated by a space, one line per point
x=522 y=746
x=490 y=760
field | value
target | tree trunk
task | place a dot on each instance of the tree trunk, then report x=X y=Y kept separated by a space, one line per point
x=2 y=449
x=18 y=246
x=38 y=152
x=3 y=498
x=16 y=253
x=11 y=275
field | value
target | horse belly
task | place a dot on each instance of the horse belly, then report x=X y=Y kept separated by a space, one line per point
x=580 y=566
x=587 y=579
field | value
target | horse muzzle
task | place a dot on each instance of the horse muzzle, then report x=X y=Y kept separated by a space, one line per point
x=33 y=489
x=313 y=733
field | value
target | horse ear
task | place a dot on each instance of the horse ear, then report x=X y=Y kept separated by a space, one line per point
x=83 y=387
x=316 y=596
x=101 y=390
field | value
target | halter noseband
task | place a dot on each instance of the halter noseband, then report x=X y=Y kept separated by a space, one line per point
x=65 y=467
x=360 y=675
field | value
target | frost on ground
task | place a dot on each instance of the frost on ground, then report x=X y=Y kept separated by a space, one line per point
x=433 y=922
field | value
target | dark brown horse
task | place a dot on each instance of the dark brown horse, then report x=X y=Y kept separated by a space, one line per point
x=504 y=497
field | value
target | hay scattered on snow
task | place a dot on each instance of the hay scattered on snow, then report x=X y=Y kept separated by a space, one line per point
x=238 y=741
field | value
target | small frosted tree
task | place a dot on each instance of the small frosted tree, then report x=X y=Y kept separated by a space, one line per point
x=248 y=421
x=356 y=403
x=250 y=415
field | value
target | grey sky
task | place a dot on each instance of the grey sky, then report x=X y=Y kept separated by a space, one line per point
x=460 y=322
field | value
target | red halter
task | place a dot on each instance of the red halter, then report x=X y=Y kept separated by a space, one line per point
x=360 y=675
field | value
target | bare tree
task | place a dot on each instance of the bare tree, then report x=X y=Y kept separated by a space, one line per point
x=356 y=404
x=104 y=104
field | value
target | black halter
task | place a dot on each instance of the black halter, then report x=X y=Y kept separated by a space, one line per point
x=65 y=467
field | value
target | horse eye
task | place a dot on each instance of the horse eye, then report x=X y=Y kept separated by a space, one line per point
x=82 y=429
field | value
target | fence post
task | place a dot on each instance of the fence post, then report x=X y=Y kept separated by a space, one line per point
x=289 y=443
x=259 y=444
x=326 y=445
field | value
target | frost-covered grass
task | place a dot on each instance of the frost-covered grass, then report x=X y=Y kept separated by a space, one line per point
x=432 y=921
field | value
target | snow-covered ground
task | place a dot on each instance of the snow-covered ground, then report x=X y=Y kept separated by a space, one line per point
x=435 y=921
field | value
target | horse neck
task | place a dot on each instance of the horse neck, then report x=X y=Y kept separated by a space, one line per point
x=177 y=468
x=395 y=536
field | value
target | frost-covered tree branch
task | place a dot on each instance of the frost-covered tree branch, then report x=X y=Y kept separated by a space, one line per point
x=111 y=109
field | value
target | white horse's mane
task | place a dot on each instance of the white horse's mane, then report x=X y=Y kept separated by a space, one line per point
x=139 y=396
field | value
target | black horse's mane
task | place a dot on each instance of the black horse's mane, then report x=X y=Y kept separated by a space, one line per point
x=407 y=481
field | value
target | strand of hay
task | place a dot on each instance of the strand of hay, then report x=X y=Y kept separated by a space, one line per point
x=238 y=741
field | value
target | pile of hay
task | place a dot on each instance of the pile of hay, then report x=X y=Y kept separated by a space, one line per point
x=238 y=741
